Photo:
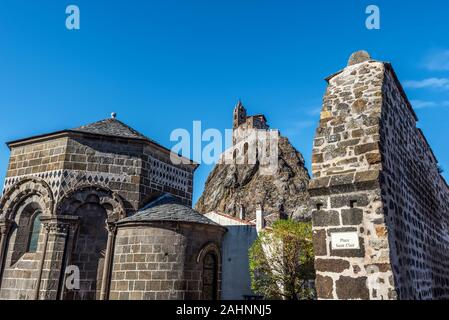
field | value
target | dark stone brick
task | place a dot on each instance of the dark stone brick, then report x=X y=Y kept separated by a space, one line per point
x=345 y=200
x=367 y=147
x=333 y=138
x=357 y=133
x=367 y=176
x=373 y=158
x=337 y=152
x=318 y=142
x=371 y=121
x=347 y=161
x=352 y=288
x=342 y=188
x=318 y=192
x=319 y=243
x=342 y=106
x=339 y=129
x=325 y=287
x=342 y=179
x=319 y=183
x=367 y=180
x=317 y=158
x=359 y=106
x=331 y=265
x=349 y=143
x=323 y=218
x=352 y=216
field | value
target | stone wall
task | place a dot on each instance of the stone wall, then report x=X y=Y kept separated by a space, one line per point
x=34 y=158
x=371 y=168
x=133 y=169
x=163 y=261
x=415 y=199
x=159 y=175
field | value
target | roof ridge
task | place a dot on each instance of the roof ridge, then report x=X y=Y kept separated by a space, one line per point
x=130 y=128
x=168 y=208
x=111 y=127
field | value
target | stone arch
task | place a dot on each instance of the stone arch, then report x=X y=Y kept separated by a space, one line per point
x=18 y=206
x=78 y=196
x=235 y=153
x=26 y=190
x=96 y=208
x=210 y=259
x=19 y=234
x=208 y=247
x=245 y=148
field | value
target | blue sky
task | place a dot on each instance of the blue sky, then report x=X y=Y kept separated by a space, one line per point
x=162 y=64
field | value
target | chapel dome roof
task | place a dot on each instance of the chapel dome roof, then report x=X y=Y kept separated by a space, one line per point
x=168 y=208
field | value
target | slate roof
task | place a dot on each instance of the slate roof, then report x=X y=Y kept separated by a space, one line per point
x=111 y=127
x=108 y=128
x=168 y=208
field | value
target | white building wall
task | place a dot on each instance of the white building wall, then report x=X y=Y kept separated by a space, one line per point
x=236 y=281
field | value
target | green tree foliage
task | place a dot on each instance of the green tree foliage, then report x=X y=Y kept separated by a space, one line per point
x=282 y=261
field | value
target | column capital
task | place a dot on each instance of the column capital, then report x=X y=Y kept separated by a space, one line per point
x=59 y=224
x=56 y=227
x=111 y=227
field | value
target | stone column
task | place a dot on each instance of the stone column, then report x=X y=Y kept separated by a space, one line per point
x=108 y=261
x=4 y=232
x=67 y=257
x=50 y=268
x=46 y=226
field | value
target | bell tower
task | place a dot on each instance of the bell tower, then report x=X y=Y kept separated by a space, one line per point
x=239 y=115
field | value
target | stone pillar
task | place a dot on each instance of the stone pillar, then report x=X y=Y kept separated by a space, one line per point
x=5 y=226
x=74 y=225
x=46 y=226
x=106 y=277
x=352 y=259
x=56 y=234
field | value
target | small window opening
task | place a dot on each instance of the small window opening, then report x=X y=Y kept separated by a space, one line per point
x=235 y=154
x=34 y=232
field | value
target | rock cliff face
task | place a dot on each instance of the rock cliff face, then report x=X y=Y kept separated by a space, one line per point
x=230 y=187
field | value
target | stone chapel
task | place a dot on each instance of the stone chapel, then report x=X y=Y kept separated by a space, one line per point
x=105 y=203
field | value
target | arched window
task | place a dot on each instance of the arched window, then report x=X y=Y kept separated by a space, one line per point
x=210 y=281
x=245 y=153
x=25 y=233
x=245 y=148
x=35 y=229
